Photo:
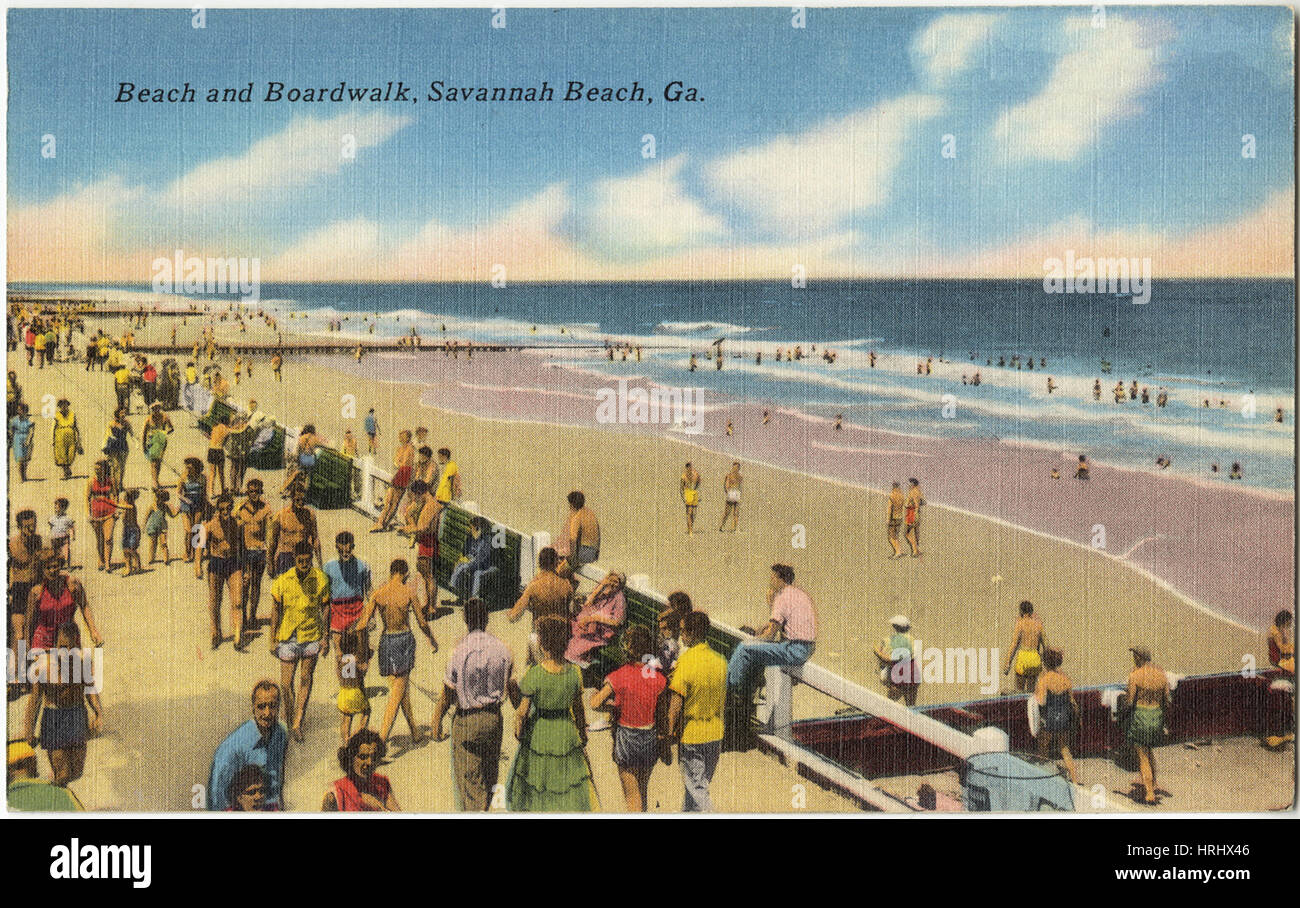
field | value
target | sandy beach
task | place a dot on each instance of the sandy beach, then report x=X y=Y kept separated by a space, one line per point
x=994 y=534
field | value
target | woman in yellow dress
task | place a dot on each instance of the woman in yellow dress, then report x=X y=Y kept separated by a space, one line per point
x=67 y=437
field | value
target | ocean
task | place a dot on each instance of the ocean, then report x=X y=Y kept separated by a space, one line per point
x=1226 y=342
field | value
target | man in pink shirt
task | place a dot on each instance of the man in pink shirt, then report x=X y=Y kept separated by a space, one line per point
x=786 y=640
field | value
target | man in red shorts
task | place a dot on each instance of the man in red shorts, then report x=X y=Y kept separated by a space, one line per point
x=403 y=464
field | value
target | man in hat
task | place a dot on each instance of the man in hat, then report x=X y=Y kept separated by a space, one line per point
x=1148 y=695
x=900 y=669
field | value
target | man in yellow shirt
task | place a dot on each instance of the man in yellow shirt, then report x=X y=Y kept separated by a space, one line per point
x=122 y=385
x=298 y=598
x=448 y=477
x=699 y=691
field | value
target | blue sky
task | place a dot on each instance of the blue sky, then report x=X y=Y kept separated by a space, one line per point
x=819 y=146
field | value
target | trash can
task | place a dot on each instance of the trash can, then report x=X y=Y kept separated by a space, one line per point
x=1014 y=782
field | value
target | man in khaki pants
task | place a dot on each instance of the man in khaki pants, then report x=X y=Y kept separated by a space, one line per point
x=480 y=675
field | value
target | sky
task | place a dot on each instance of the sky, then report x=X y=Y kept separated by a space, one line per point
x=866 y=143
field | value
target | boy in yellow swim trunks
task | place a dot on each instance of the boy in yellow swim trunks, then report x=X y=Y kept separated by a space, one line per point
x=690 y=486
x=1027 y=644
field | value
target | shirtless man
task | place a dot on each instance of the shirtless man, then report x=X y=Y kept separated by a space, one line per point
x=1148 y=695
x=1027 y=645
x=254 y=519
x=221 y=429
x=583 y=532
x=222 y=542
x=395 y=601
x=912 y=516
x=277 y=361
x=731 y=491
x=291 y=525
x=547 y=595
x=897 y=505
x=403 y=463
x=424 y=533
x=690 y=489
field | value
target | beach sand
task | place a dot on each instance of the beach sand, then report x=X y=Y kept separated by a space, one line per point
x=170 y=700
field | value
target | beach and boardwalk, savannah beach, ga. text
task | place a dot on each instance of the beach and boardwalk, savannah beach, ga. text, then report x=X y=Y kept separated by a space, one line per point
x=438 y=90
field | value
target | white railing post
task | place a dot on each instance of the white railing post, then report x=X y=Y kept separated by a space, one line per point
x=777 y=711
x=367 y=501
x=528 y=556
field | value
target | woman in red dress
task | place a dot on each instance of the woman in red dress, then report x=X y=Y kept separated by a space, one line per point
x=362 y=788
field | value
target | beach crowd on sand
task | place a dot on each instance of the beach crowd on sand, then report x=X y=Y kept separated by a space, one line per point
x=674 y=698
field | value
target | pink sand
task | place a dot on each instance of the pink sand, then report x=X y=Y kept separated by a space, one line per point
x=1225 y=546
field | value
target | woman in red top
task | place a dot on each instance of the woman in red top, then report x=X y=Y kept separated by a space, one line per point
x=634 y=691
x=99 y=501
x=362 y=788
x=54 y=601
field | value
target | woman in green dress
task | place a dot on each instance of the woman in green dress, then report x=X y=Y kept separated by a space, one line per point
x=551 y=772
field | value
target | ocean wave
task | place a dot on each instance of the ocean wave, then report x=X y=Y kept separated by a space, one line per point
x=709 y=328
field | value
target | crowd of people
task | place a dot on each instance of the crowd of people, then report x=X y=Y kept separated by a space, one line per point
x=674 y=696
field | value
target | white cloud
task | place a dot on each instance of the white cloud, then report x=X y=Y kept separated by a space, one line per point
x=72 y=236
x=1259 y=242
x=947 y=45
x=341 y=251
x=648 y=213
x=1093 y=85
x=301 y=153
x=808 y=183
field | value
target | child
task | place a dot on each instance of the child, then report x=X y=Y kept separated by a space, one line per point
x=63 y=529
x=352 y=664
x=155 y=525
x=130 y=532
x=349 y=444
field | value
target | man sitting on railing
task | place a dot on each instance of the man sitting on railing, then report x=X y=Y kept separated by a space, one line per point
x=475 y=564
x=794 y=620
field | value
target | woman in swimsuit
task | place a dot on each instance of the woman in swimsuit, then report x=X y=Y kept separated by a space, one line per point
x=191 y=493
x=1058 y=712
x=156 y=430
x=116 y=446
x=690 y=488
x=65 y=723
x=51 y=604
x=100 y=504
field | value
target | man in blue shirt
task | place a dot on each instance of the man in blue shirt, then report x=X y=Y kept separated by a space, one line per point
x=372 y=428
x=349 y=578
x=475 y=565
x=261 y=740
